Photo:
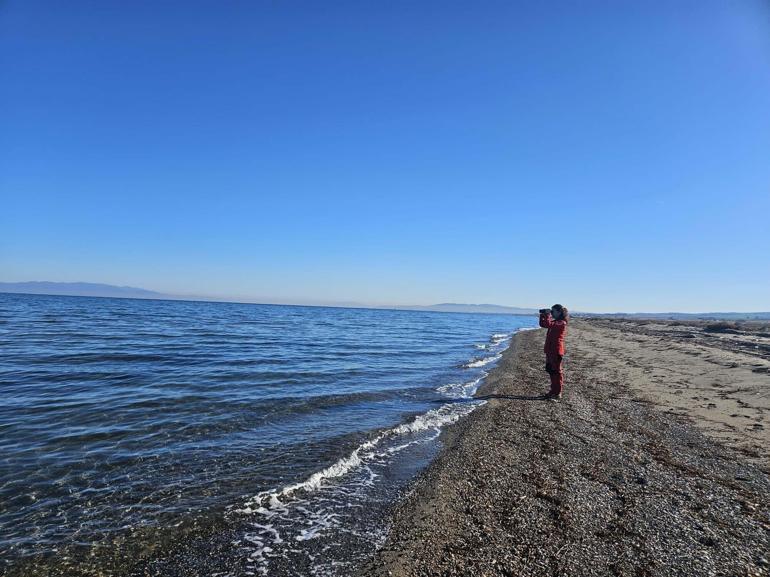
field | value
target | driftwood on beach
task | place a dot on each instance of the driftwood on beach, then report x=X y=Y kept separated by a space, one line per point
x=654 y=464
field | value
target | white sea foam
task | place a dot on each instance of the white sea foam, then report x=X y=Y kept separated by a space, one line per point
x=475 y=363
x=499 y=338
x=275 y=500
x=461 y=390
x=495 y=342
x=433 y=419
x=284 y=507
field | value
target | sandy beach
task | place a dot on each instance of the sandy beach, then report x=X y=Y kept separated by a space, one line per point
x=655 y=463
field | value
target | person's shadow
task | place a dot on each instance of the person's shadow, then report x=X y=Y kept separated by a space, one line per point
x=490 y=397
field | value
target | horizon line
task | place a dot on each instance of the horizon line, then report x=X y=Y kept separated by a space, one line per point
x=361 y=306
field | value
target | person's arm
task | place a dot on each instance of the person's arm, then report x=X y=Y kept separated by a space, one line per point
x=546 y=320
x=560 y=327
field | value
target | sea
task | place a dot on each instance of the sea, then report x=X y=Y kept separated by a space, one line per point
x=151 y=437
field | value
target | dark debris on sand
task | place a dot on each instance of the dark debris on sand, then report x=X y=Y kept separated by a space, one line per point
x=599 y=483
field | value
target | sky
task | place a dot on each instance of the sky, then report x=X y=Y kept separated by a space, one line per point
x=609 y=156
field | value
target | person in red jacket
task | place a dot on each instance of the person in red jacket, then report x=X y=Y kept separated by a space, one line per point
x=555 y=320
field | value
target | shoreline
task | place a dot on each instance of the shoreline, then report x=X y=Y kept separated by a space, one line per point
x=608 y=481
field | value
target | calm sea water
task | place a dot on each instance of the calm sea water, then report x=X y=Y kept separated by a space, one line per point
x=162 y=437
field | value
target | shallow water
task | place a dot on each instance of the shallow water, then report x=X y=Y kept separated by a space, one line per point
x=285 y=431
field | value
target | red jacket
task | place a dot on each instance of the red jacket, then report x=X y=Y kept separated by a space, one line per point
x=554 y=340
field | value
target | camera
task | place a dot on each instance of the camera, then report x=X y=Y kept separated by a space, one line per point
x=545 y=311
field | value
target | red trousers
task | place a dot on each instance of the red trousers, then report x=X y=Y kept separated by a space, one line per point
x=553 y=366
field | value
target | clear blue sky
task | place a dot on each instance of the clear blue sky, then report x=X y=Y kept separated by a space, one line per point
x=607 y=155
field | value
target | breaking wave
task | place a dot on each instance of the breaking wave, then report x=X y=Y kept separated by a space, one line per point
x=476 y=363
x=288 y=515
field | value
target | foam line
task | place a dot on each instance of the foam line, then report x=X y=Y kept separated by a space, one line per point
x=475 y=363
x=267 y=501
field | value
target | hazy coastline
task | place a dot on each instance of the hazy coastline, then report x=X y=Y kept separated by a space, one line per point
x=101 y=290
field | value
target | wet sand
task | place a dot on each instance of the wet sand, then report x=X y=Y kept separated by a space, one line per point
x=655 y=463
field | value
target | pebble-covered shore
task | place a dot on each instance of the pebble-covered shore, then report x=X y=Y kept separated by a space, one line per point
x=600 y=483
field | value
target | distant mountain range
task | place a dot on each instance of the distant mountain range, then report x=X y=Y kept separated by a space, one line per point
x=107 y=290
x=81 y=289
x=462 y=308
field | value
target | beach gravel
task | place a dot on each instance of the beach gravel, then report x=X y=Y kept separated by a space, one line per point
x=603 y=482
